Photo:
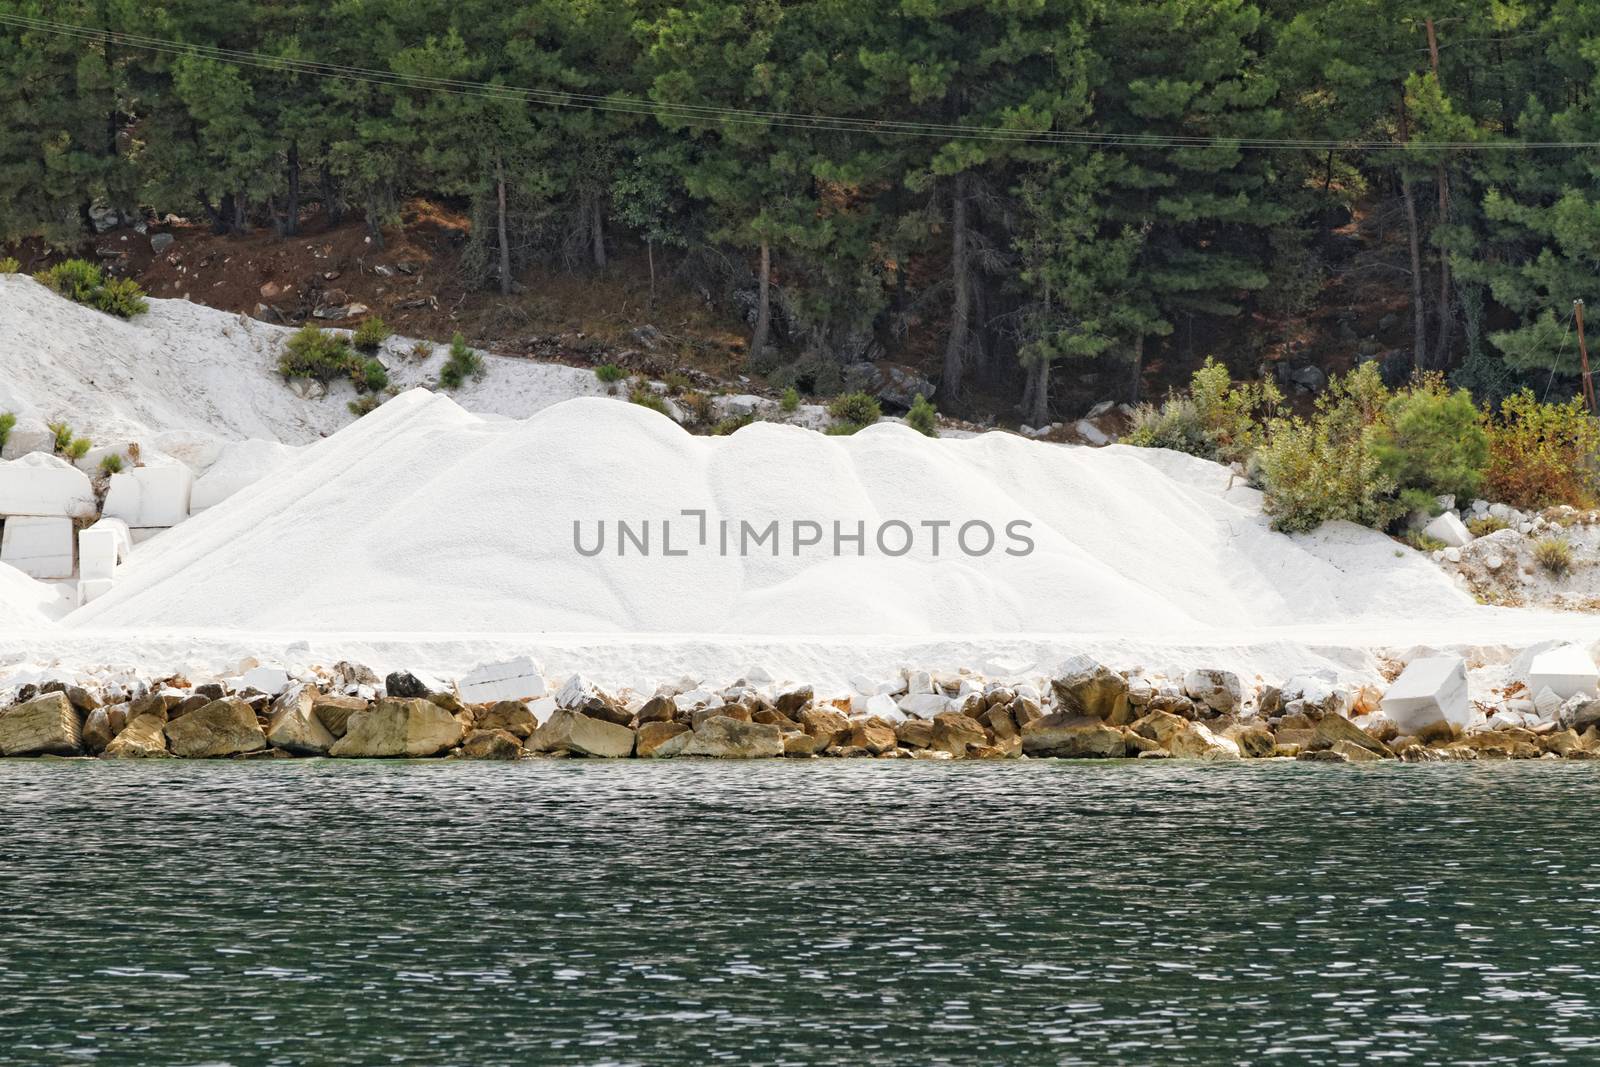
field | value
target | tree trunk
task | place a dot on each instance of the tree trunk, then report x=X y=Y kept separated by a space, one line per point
x=330 y=198
x=955 y=348
x=291 y=210
x=500 y=228
x=375 y=225
x=650 y=257
x=1041 y=394
x=764 y=303
x=598 y=224
x=1419 y=353
x=1137 y=370
x=1441 y=339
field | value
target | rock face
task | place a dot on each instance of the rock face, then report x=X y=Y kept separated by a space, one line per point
x=726 y=738
x=294 y=726
x=334 y=712
x=45 y=725
x=658 y=739
x=1339 y=733
x=1196 y=741
x=224 y=727
x=410 y=727
x=1073 y=737
x=143 y=738
x=1430 y=697
x=572 y=731
x=491 y=744
x=1086 y=688
x=1221 y=691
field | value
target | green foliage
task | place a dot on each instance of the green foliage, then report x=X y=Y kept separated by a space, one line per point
x=1553 y=555
x=84 y=283
x=463 y=363
x=364 y=404
x=312 y=352
x=111 y=463
x=1423 y=542
x=63 y=435
x=421 y=350
x=370 y=376
x=790 y=402
x=852 y=411
x=697 y=406
x=1216 y=420
x=77 y=448
x=1543 y=454
x=1484 y=525
x=610 y=372
x=10 y=265
x=121 y=297
x=1432 y=441
x=923 y=418
x=370 y=335
x=646 y=397
x=677 y=382
x=8 y=422
x=732 y=423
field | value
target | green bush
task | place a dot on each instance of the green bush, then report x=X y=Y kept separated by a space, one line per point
x=1484 y=525
x=370 y=376
x=83 y=282
x=315 y=353
x=370 y=335
x=77 y=448
x=791 y=400
x=646 y=397
x=1424 y=542
x=364 y=404
x=111 y=463
x=1432 y=443
x=1326 y=467
x=10 y=265
x=731 y=424
x=923 y=418
x=463 y=363
x=1215 y=420
x=8 y=422
x=63 y=435
x=1553 y=555
x=121 y=297
x=852 y=411
x=1541 y=455
x=677 y=382
x=610 y=372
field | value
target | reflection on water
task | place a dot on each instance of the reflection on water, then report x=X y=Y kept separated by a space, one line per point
x=845 y=912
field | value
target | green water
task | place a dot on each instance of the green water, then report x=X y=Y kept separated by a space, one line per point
x=841 y=912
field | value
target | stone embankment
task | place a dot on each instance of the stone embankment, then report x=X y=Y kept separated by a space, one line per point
x=1084 y=710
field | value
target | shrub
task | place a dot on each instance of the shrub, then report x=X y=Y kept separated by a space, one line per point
x=1432 y=443
x=63 y=435
x=1326 y=467
x=1554 y=555
x=1423 y=542
x=314 y=353
x=1216 y=420
x=421 y=350
x=923 y=418
x=8 y=422
x=77 y=448
x=1484 y=525
x=121 y=297
x=463 y=363
x=370 y=376
x=364 y=404
x=370 y=335
x=75 y=279
x=10 y=265
x=791 y=400
x=677 y=383
x=610 y=372
x=111 y=463
x=731 y=424
x=646 y=397
x=697 y=406
x=852 y=411
x=1541 y=455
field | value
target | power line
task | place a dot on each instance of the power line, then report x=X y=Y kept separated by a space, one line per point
x=713 y=114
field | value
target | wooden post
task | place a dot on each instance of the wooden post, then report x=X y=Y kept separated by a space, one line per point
x=1583 y=352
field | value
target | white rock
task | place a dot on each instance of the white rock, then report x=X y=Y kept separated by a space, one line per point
x=270 y=680
x=1547 y=702
x=153 y=496
x=1091 y=433
x=1448 y=528
x=40 y=484
x=101 y=547
x=919 y=682
x=921 y=705
x=28 y=435
x=1566 y=671
x=1494 y=563
x=577 y=691
x=1100 y=409
x=241 y=465
x=543 y=708
x=694 y=698
x=93 y=588
x=1452 y=555
x=883 y=706
x=514 y=679
x=1430 y=691
x=39 y=546
x=1501 y=511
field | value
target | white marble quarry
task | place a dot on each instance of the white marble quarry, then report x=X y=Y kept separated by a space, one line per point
x=28 y=435
x=1567 y=671
x=101 y=547
x=241 y=464
x=91 y=589
x=39 y=546
x=515 y=679
x=1431 y=691
x=41 y=484
x=153 y=496
x=1449 y=529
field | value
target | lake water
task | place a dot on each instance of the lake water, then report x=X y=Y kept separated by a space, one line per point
x=838 y=912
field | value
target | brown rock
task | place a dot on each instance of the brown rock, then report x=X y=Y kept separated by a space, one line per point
x=774 y=717
x=294 y=726
x=491 y=744
x=658 y=739
x=874 y=735
x=1000 y=723
x=334 y=711
x=101 y=725
x=824 y=722
x=1072 y=737
x=727 y=711
x=1333 y=728
x=46 y=725
x=1255 y=740
x=143 y=738
x=225 y=727
x=914 y=733
x=407 y=727
x=657 y=709
x=798 y=743
x=953 y=732
x=1355 y=753
x=158 y=704
x=723 y=737
x=512 y=716
x=1090 y=689
x=581 y=735
x=792 y=702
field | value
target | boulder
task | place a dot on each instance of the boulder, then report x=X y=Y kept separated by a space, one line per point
x=268 y=680
x=873 y=735
x=1196 y=741
x=408 y=727
x=1449 y=529
x=824 y=722
x=99 y=728
x=657 y=709
x=153 y=496
x=659 y=739
x=491 y=744
x=404 y=685
x=914 y=733
x=143 y=738
x=45 y=725
x=573 y=732
x=1333 y=729
x=1255 y=741
x=514 y=679
x=1567 y=671
x=1086 y=688
x=294 y=726
x=225 y=727
x=28 y=436
x=953 y=732
x=1072 y=736
x=1429 y=698
x=101 y=547
x=1221 y=691
x=45 y=485
x=39 y=547
x=511 y=716
x=793 y=701
x=334 y=711
x=726 y=738
x=798 y=743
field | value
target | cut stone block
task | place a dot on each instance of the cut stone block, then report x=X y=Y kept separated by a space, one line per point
x=515 y=679
x=100 y=548
x=40 y=484
x=1429 y=694
x=93 y=589
x=1567 y=671
x=40 y=547
x=1449 y=529
x=271 y=680
x=28 y=435
x=152 y=496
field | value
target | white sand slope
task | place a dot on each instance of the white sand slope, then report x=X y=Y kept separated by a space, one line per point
x=422 y=518
x=26 y=604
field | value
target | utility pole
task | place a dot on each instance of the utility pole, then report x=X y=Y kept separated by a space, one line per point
x=1441 y=343
x=1583 y=352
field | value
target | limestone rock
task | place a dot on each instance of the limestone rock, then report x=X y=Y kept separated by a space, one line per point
x=409 y=727
x=578 y=734
x=799 y=743
x=1086 y=688
x=514 y=679
x=1196 y=741
x=1072 y=736
x=914 y=733
x=794 y=700
x=511 y=716
x=143 y=738
x=1430 y=697
x=334 y=711
x=45 y=725
x=1332 y=729
x=99 y=728
x=823 y=722
x=953 y=732
x=1567 y=671
x=225 y=727
x=727 y=738
x=1449 y=528
x=659 y=739
x=491 y=744
x=294 y=726
x=1221 y=691
x=874 y=735
x=1255 y=741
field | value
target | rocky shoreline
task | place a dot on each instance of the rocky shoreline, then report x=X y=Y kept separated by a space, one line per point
x=1083 y=710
